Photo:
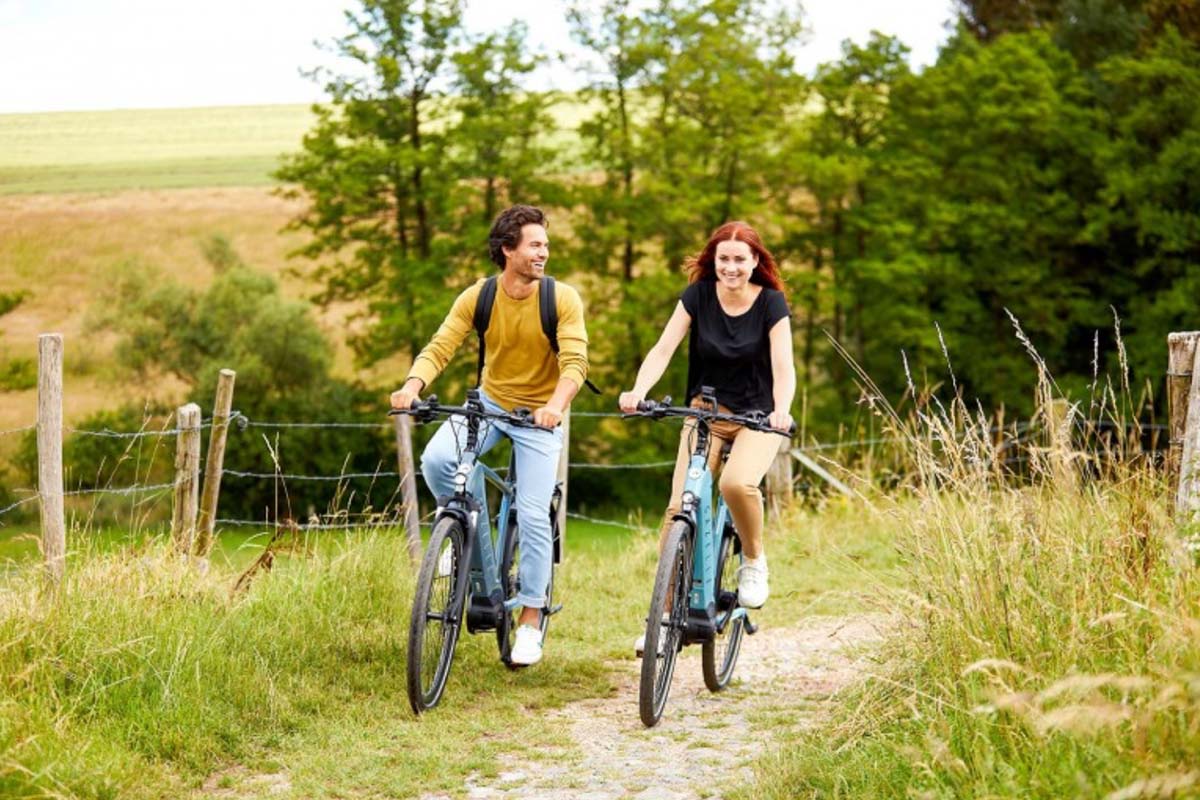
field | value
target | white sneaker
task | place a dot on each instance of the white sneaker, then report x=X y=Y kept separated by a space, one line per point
x=639 y=646
x=752 y=583
x=445 y=562
x=527 y=649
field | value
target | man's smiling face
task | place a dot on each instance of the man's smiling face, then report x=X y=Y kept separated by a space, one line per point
x=528 y=259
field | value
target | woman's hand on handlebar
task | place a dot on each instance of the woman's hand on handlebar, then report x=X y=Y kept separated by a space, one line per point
x=628 y=401
x=780 y=421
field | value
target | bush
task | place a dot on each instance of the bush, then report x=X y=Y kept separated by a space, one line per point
x=18 y=375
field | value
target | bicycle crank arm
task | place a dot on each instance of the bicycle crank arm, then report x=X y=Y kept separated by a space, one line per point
x=751 y=628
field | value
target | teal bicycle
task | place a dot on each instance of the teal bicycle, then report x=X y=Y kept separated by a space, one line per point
x=695 y=597
x=470 y=570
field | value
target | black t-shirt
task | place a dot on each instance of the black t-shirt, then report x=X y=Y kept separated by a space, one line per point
x=732 y=354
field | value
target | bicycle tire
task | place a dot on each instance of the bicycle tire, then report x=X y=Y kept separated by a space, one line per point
x=439 y=597
x=719 y=655
x=672 y=582
x=506 y=627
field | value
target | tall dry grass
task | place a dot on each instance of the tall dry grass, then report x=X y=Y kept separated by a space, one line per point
x=1047 y=643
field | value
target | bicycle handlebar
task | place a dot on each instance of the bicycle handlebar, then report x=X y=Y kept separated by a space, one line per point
x=754 y=420
x=423 y=411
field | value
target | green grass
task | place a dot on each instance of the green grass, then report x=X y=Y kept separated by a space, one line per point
x=180 y=148
x=1047 y=639
x=143 y=679
x=146 y=149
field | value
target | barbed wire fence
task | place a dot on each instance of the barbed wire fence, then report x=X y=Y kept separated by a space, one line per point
x=343 y=477
x=375 y=518
x=195 y=519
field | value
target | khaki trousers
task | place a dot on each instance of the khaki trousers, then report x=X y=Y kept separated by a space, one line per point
x=749 y=459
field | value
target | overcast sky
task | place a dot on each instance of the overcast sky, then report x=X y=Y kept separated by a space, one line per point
x=67 y=55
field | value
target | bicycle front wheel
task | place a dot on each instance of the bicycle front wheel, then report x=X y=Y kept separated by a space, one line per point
x=436 y=614
x=719 y=655
x=666 y=622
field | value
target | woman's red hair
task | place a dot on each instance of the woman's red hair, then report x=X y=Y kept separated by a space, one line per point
x=703 y=267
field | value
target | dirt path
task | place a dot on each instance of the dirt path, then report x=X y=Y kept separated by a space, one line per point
x=783 y=676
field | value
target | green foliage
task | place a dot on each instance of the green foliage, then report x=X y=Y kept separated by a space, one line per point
x=1044 y=645
x=103 y=462
x=403 y=182
x=10 y=300
x=1148 y=212
x=282 y=359
x=145 y=678
x=18 y=375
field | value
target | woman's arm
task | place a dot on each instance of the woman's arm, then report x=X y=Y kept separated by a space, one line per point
x=783 y=370
x=657 y=359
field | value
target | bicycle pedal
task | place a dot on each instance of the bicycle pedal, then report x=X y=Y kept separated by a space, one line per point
x=554 y=609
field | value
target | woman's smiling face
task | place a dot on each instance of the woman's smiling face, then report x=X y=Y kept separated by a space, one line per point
x=734 y=262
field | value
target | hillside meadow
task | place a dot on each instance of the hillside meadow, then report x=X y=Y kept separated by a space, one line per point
x=108 y=151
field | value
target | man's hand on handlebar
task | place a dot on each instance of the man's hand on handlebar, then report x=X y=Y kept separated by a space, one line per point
x=547 y=417
x=404 y=397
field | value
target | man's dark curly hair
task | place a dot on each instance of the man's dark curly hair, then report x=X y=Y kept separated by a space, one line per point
x=506 y=230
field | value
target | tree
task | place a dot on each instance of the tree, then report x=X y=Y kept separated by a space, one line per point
x=1147 y=215
x=283 y=364
x=989 y=19
x=823 y=185
x=375 y=174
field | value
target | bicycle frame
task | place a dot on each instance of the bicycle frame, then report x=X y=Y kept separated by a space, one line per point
x=469 y=502
x=696 y=508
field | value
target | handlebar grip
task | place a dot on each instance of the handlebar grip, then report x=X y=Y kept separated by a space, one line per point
x=646 y=405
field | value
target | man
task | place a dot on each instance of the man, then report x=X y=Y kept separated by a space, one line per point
x=521 y=369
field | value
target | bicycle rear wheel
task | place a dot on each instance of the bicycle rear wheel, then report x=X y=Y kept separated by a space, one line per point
x=436 y=614
x=510 y=567
x=719 y=655
x=666 y=622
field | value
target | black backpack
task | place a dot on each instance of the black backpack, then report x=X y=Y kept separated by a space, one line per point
x=547 y=311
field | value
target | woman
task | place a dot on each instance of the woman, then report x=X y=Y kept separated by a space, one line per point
x=741 y=346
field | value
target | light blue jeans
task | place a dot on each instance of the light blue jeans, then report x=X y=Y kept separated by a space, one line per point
x=537 y=452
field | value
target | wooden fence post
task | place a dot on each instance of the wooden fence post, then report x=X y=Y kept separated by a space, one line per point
x=187 y=477
x=779 y=477
x=1187 y=500
x=49 y=447
x=564 y=462
x=408 y=485
x=215 y=463
x=1181 y=352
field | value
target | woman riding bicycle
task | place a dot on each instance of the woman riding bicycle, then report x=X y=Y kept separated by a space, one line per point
x=741 y=346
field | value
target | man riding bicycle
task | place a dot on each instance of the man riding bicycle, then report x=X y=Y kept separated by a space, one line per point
x=523 y=367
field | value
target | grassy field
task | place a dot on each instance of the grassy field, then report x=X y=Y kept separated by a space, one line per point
x=107 y=151
x=144 y=679
x=1047 y=637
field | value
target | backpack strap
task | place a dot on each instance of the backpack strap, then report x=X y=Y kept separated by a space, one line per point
x=548 y=310
x=483 y=318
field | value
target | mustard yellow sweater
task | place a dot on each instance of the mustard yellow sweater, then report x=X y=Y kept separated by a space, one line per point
x=521 y=369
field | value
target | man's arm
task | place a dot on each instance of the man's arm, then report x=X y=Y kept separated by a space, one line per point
x=441 y=348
